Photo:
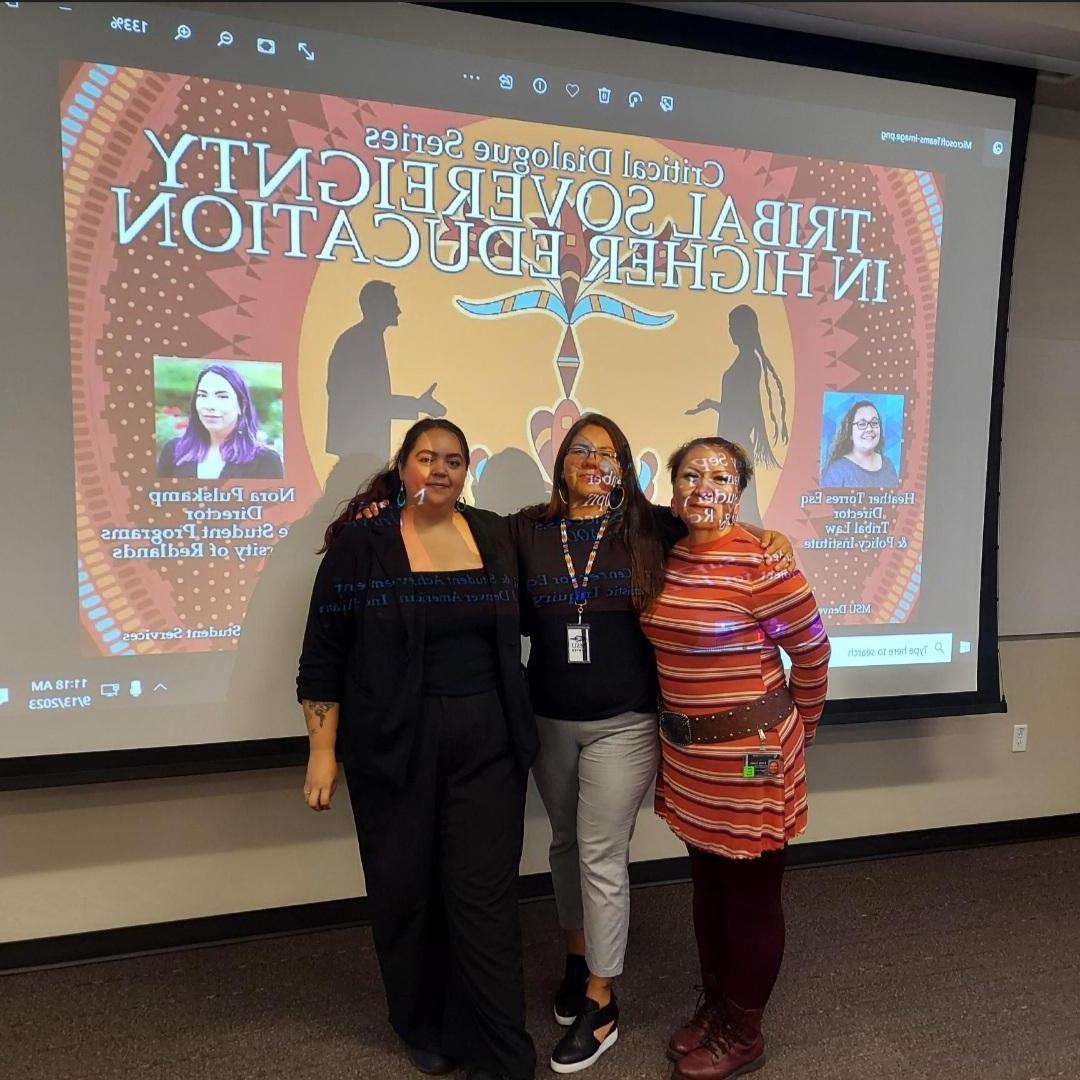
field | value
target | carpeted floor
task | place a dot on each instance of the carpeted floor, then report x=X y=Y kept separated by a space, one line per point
x=957 y=966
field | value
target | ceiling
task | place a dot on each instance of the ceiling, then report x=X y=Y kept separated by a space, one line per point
x=1044 y=36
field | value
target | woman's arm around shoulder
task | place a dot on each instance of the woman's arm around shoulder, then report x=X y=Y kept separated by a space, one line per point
x=669 y=528
x=493 y=525
x=785 y=609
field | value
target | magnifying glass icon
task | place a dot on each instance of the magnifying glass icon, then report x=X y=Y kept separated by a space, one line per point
x=226 y=38
x=183 y=32
x=938 y=647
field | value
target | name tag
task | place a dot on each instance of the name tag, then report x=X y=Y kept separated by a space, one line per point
x=578 y=650
x=765 y=765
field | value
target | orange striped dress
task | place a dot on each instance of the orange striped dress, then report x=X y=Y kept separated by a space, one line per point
x=716 y=627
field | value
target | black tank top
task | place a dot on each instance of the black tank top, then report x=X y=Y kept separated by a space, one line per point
x=460 y=654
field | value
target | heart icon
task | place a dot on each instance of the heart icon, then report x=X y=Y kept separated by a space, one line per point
x=573 y=89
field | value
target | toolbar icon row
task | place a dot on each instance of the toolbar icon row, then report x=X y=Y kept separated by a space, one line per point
x=264 y=45
x=604 y=94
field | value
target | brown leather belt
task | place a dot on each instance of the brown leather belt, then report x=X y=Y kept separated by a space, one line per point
x=759 y=715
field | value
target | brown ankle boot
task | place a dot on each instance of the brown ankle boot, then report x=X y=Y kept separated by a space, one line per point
x=733 y=1048
x=707 y=1014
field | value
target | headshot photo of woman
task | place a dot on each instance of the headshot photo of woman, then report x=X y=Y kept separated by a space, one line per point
x=855 y=458
x=741 y=417
x=221 y=438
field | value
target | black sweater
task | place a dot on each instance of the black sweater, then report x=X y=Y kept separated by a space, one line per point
x=364 y=643
x=622 y=674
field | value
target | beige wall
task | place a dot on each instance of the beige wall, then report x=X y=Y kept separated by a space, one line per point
x=77 y=859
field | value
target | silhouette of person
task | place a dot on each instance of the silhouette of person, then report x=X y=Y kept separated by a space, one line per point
x=741 y=418
x=360 y=403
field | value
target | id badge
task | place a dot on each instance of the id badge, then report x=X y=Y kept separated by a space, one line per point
x=578 y=650
x=762 y=765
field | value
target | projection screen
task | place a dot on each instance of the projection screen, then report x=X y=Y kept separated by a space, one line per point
x=512 y=223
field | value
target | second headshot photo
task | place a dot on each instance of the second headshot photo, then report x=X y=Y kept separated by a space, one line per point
x=861 y=440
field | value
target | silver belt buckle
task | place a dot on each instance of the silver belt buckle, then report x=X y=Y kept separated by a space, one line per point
x=676 y=727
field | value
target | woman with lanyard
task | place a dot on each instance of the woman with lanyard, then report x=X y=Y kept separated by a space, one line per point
x=589 y=561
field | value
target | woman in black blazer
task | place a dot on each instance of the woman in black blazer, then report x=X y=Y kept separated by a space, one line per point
x=411 y=667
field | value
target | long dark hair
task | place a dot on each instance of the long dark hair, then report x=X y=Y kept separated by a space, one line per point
x=386 y=483
x=242 y=445
x=743 y=323
x=842 y=443
x=635 y=522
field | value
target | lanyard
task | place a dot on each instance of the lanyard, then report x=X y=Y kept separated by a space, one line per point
x=581 y=593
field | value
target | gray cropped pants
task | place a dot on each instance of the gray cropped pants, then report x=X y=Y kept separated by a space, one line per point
x=592 y=777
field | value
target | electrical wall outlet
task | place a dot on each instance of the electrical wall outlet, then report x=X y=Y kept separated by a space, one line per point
x=1019 y=738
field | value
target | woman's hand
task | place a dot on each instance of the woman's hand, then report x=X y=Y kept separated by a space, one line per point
x=777 y=547
x=320 y=782
x=371 y=510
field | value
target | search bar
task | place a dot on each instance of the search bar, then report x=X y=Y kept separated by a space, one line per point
x=886 y=650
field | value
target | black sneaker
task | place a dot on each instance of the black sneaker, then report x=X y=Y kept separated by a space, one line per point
x=570 y=997
x=431 y=1062
x=579 y=1047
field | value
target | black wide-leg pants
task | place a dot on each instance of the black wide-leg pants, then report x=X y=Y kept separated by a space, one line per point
x=440 y=857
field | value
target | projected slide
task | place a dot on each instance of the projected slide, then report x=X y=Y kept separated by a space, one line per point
x=263 y=281
x=247 y=256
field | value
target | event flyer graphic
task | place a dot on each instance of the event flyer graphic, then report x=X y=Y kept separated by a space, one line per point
x=306 y=274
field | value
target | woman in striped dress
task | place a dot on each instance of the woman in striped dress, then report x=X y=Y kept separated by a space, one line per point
x=732 y=781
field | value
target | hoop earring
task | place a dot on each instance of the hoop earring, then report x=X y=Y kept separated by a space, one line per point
x=460 y=504
x=612 y=504
x=399 y=502
x=559 y=491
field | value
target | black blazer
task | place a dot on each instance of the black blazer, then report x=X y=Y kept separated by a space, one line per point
x=265 y=465
x=364 y=643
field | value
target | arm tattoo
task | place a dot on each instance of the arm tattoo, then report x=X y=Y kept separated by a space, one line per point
x=318 y=709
